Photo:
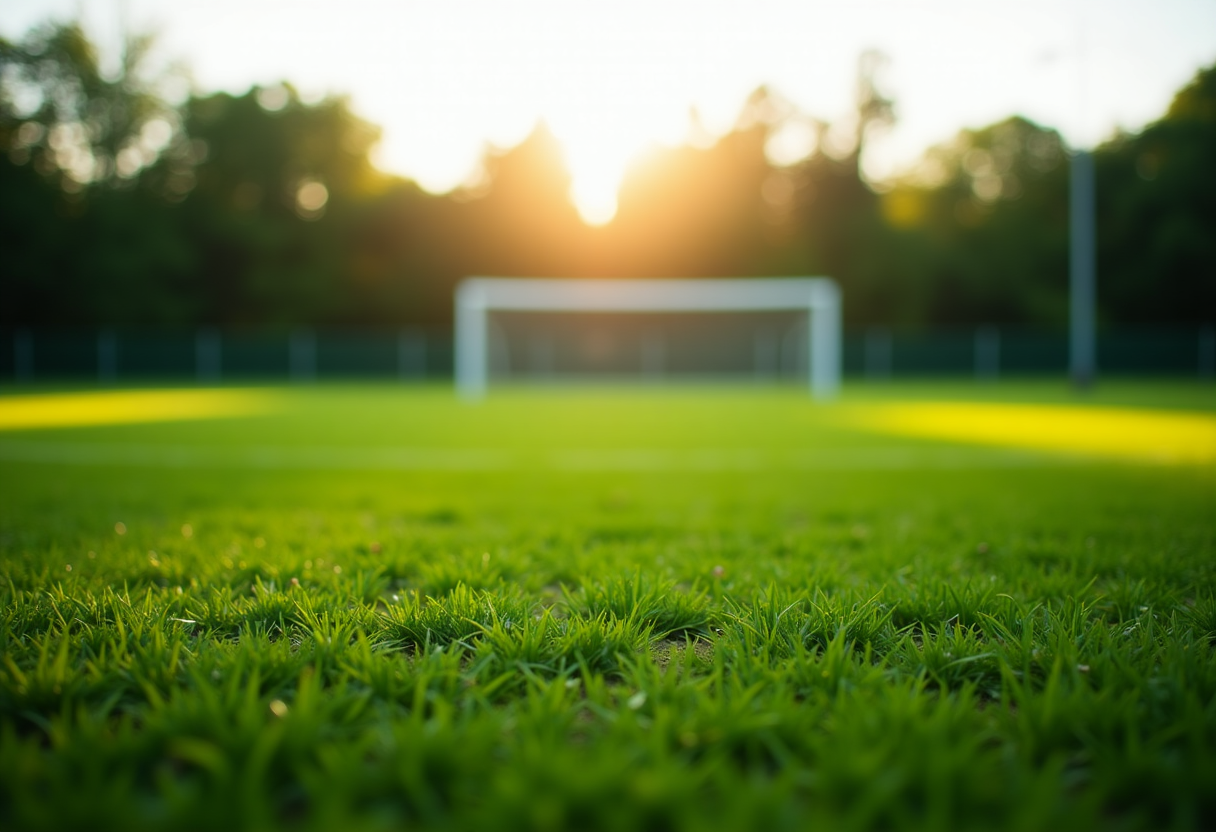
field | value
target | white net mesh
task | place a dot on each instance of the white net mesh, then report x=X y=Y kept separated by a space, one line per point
x=571 y=346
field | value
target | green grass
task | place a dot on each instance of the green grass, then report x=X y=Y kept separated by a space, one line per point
x=630 y=609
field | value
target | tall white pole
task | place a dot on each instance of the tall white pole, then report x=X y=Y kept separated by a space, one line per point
x=1082 y=273
x=1082 y=227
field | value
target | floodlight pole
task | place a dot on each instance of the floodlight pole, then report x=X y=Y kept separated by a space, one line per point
x=1082 y=278
x=1082 y=248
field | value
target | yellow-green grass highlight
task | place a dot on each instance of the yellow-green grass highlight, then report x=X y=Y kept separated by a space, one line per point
x=121 y=407
x=1122 y=433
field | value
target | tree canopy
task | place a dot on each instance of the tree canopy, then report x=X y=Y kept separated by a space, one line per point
x=120 y=208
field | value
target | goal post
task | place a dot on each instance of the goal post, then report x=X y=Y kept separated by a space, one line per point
x=478 y=297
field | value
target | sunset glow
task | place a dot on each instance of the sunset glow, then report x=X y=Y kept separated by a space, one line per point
x=446 y=80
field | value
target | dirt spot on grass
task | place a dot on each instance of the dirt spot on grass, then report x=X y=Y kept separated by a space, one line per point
x=667 y=650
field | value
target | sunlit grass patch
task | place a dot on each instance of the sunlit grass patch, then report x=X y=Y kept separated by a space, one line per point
x=665 y=608
x=118 y=407
x=1126 y=433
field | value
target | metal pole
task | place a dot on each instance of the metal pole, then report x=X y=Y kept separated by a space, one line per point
x=987 y=353
x=1082 y=278
x=411 y=354
x=107 y=356
x=302 y=355
x=878 y=353
x=207 y=355
x=1207 y=352
x=23 y=355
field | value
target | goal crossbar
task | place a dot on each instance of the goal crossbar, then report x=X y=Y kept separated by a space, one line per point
x=477 y=297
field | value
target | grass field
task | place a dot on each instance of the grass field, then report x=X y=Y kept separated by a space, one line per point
x=926 y=607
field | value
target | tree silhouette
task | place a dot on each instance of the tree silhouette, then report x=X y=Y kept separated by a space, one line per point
x=1157 y=212
x=259 y=209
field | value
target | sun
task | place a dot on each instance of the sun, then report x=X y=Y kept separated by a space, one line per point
x=597 y=166
x=601 y=132
x=599 y=146
x=606 y=94
x=603 y=124
x=604 y=130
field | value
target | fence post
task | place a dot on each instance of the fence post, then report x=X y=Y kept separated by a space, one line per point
x=987 y=353
x=1207 y=352
x=302 y=355
x=107 y=356
x=23 y=354
x=879 y=353
x=411 y=354
x=207 y=355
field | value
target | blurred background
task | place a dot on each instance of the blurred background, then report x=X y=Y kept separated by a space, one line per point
x=294 y=190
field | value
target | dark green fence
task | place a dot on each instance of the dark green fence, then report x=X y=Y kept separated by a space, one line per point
x=991 y=352
x=209 y=355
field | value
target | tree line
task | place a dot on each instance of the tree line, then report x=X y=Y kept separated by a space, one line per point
x=119 y=208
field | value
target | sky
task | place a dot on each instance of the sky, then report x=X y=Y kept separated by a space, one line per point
x=446 y=78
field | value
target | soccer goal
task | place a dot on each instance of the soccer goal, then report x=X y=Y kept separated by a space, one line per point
x=638 y=327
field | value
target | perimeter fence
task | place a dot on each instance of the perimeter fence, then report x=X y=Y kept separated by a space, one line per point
x=208 y=356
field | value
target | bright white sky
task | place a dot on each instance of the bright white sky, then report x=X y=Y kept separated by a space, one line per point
x=445 y=77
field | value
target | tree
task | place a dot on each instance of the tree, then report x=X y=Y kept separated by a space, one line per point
x=81 y=239
x=270 y=217
x=75 y=123
x=1157 y=213
x=520 y=220
x=838 y=209
x=981 y=229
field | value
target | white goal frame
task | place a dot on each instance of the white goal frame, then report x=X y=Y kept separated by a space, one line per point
x=476 y=297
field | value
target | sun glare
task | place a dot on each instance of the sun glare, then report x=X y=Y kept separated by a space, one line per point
x=604 y=122
x=602 y=80
x=594 y=188
x=597 y=156
x=602 y=129
x=444 y=80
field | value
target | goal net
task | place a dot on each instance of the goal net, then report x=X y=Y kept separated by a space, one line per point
x=565 y=329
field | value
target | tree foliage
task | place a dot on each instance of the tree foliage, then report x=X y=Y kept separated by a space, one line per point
x=1157 y=244
x=118 y=208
